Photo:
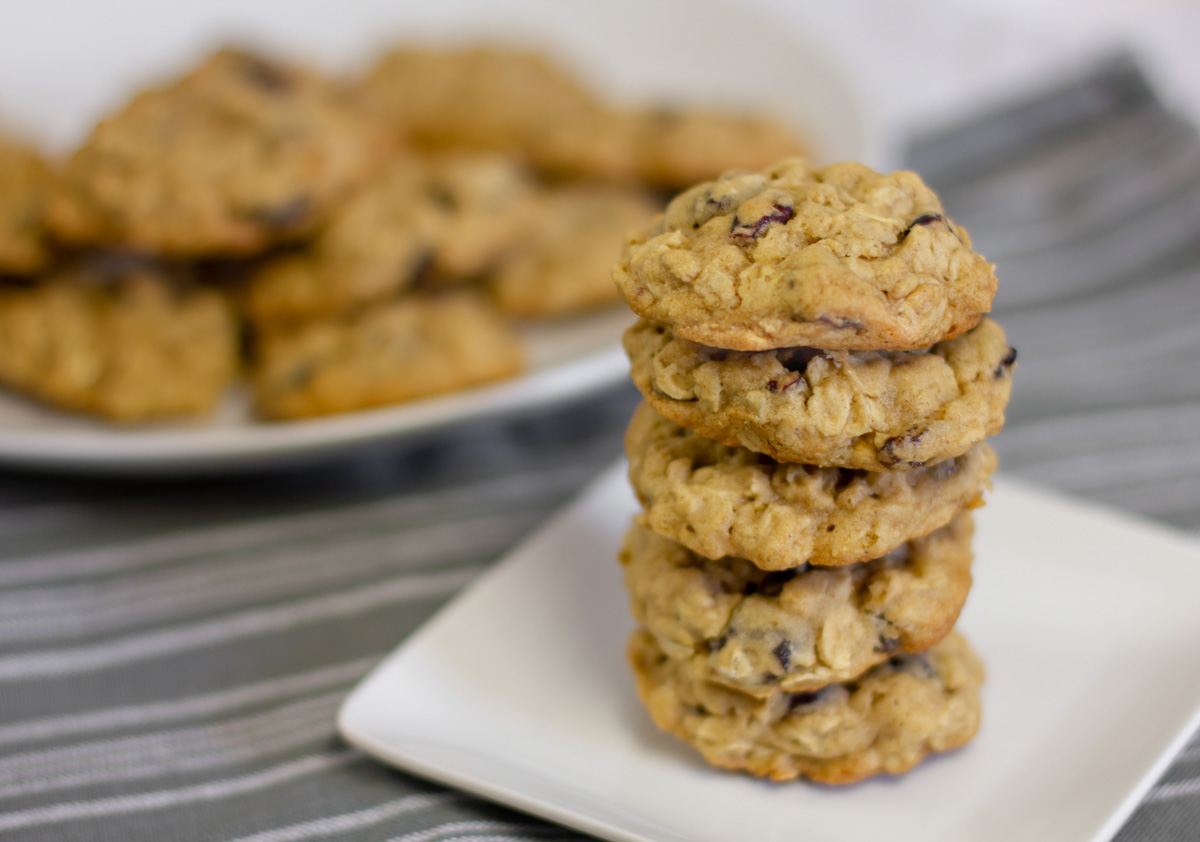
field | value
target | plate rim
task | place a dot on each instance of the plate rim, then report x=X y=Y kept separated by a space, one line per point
x=133 y=451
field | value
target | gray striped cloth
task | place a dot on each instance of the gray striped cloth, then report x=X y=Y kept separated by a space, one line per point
x=171 y=655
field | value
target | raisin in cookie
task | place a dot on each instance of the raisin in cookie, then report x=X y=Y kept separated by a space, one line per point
x=25 y=182
x=473 y=97
x=450 y=216
x=871 y=410
x=887 y=720
x=239 y=154
x=836 y=258
x=411 y=348
x=799 y=629
x=564 y=262
x=130 y=349
x=730 y=501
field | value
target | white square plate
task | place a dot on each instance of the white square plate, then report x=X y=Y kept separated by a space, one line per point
x=1087 y=620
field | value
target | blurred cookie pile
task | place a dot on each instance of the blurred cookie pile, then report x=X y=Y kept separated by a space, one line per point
x=334 y=244
x=819 y=378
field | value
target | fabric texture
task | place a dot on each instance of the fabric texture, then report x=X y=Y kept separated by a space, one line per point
x=172 y=654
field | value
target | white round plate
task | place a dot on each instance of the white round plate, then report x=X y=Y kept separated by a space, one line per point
x=64 y=64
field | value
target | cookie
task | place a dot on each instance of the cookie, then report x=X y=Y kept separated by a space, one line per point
x=411 y=348
x=25 y=182
x=472 y=97
x=680 y=147
x=795 y=630
x=453 y=217
x=884 y=721
x=592 y=142
x=485 y=204
x=564 y=264
x=236 y=156
x=730 y=501
x=375 y=247
x=837 y=258
x=134 y=348
x=870 y=410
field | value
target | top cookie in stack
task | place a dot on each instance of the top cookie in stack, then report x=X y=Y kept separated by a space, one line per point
x=841 y=258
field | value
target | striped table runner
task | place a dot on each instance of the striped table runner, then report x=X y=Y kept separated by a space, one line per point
x=171 y=656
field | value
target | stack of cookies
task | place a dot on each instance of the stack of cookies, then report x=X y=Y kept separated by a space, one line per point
x=819 y=378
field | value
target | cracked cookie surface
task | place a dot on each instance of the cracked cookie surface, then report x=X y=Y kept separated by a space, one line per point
x=239 y=154
x=885 y=721
x=872 y=410
x=132 y=348
x=412 y=348
x=731 y=501
x=796 y=630
x=840 y=257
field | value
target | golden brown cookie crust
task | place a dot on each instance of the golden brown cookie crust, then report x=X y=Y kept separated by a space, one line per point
x=885 y=721
x=129 y=349
x=592 y=142
x=239 y=154
x=840 y=257
x=25 y=183
x=669 y=148
x=486 y=203
x=731 y=501
x=447 y=217
x=470 y=97
x=412 y=348
x=563 y=264
x=373 y=249
x=680 y=147
x=796 y=630
x=874 y=411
